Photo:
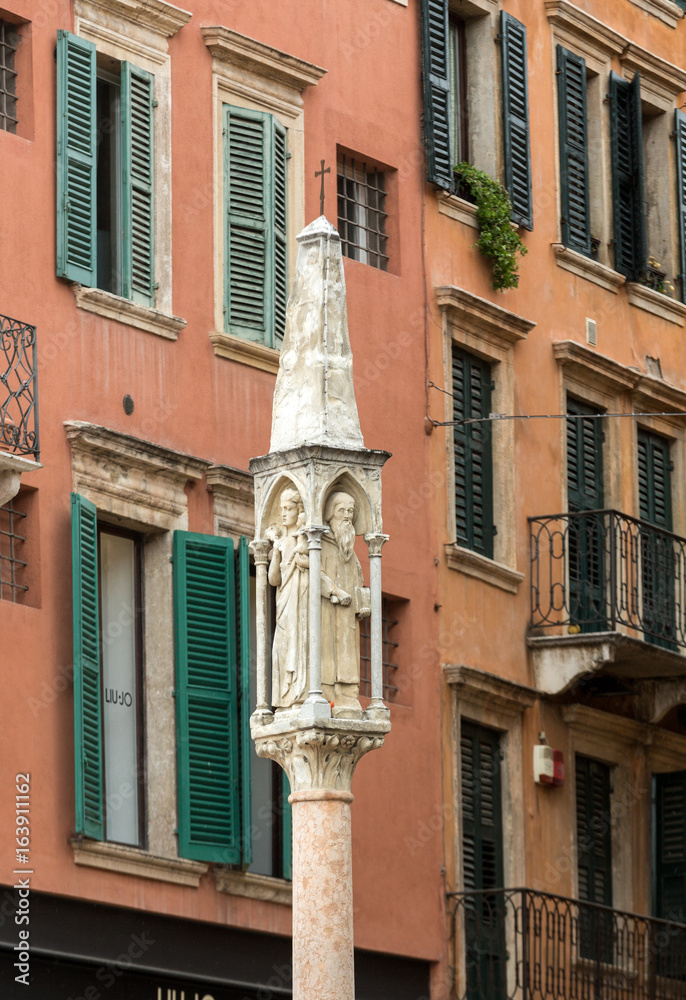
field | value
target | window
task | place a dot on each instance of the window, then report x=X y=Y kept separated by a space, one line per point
x=389 y=621
x=587 y=590
x=12 y=545
x=472 y=449
x=105 y=171
x=573 y=133
x=658 y=552
x=9 y=40
x=594 y=857
x=362 y=212
x=255 y=185
x=627 y=176
x=670 y=846
x=459 y=108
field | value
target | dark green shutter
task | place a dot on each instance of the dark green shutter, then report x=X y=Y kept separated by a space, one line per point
x=584 y=457
x=593 y=831
x=76 y=159
x=243 y=644
x=572 y=121
x=482 y=822
x=87 y=683
x=436 y=76
x=654 y=480
x=627 y=176
x=670 y=846
x=255 y=160
x=658 y=553
x=286 y=829
x=680 y=131
x=138 y=195
x=516 y=119
x=472 y=451
x=206 y=698
x=585 y=540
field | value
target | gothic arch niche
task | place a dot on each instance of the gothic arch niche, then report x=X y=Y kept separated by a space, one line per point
x=364 y=512
x=270 y=513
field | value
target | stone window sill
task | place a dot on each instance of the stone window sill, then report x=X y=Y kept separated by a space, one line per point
x=252 y=886
x=458 y=209
x=656 y=303
x=472 y=564
x=123 y=310
x=666 y=11
x=246 y=352
x=591 y=270
x=133 y=861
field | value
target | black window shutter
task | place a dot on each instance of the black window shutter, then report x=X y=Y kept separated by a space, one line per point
x=654 y=480
x=516 y=120
x=584 y=458
x=482 y=822
x=680 y=131
x=670 y=846
x=436 y=76
x=571 y=105
x=593 y=831
x=627 y=176
x=472 y=452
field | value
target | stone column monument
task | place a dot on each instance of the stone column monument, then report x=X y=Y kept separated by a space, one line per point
x=315 y=492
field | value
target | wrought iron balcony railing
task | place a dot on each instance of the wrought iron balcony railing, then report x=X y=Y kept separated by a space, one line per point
x=517 y=944
x=18 y=388
x=600 y=570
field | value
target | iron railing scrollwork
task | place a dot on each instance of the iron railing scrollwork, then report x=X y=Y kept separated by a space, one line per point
x=18 y=388
x=600 y=570
x=519 y=944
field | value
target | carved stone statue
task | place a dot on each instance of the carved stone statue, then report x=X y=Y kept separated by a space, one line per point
x=289 y=573
x=344 y=601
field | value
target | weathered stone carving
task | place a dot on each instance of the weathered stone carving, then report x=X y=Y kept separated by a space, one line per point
x=313 y=758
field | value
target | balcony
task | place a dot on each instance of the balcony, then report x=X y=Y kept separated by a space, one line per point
x=608 y=592
x=517 y=944
x=19 y=443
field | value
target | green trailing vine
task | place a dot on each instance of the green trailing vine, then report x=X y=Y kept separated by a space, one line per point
x=497 y=239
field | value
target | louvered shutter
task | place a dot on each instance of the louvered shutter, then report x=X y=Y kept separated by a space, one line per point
x=585 y=539
x=138 y=246
x=482 y=824
x=76 y=159
x=680 y=131
x=670 y=846
x=571 y=106
x=654 y=480
x=244 y=655
x=627 y=176
x=436 y=77
x=584 y=458
x=87 y=680
x=516 y=119
x=594 y=831
x=472 y=453
x=278 y=180
x=209 y=804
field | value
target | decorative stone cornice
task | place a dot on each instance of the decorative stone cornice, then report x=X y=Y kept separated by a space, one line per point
x=248 y=54
x=123 y=310
x=656 y=303
x=321 y=756
x=601 y=727
x=591 y=270
x=157 y=15
x=478 y=686
x=664 y=10
x=665 y=76
x=562 y=14
x=594 y=369
x=234 y=499
x=653 y=393
x=11 y=469
x=481 y=317
x=482 y=568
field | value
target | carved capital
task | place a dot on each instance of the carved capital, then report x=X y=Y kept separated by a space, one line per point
x=317 y=758
x=314 y=534
x=375 y=542
x=260 y=548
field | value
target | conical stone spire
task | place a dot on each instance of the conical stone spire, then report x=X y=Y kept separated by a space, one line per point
x=314 y=399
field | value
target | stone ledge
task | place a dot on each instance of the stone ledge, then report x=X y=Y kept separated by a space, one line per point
x=130 y=313
x=11 y=468
x=253 y=886
x=157 y=15
x=664 y=10
x=480 y=316
x=133 y=861
x=479 y=686
x=472 y=564
x=457 y=208
x=591 y=270
x=239 y=50
x=656 y=303
x=245 y=352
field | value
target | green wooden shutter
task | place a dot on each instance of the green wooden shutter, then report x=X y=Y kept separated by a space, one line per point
x=680 y=131
x=654 y=480
x=209 y=803
x=436 y=77
x=138 y=194
x=585 y=541
x=87 y=683
x=76 y=159
x=594 y=831
x=286 y=829
x=627 y=176
x=516 y=119
x=670 y=846
x=278 y=181
x=472 y=453
x=482 y=821
x=584 y=457
x=571 y=106
x=243 y=644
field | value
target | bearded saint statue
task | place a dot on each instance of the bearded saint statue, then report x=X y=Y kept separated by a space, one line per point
x=344 y=601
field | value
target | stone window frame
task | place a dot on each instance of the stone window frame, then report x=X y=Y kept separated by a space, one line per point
x=249 y=74
x=491 y=333
x=139 y=33
x=141 y=485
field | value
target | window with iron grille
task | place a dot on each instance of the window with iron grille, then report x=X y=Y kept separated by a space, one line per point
x=12 y=564
x=9 y=39
x=362 y=212
x=389 y=653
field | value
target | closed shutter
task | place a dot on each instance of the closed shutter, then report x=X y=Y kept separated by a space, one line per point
x=87 y=701
x=680 y=131
x=482 y=824
x=472 y=453
x=255 y=159
x=138 y=126
x=436 y=77
x=670 y=847
x=571 y=105
x=209 y=803
x=584 y=458
x=516 y=120
x=76 y=159
x=627 y=176
x=654 y=480
x=585 y=539
x=593 y=831
x=244 y=655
